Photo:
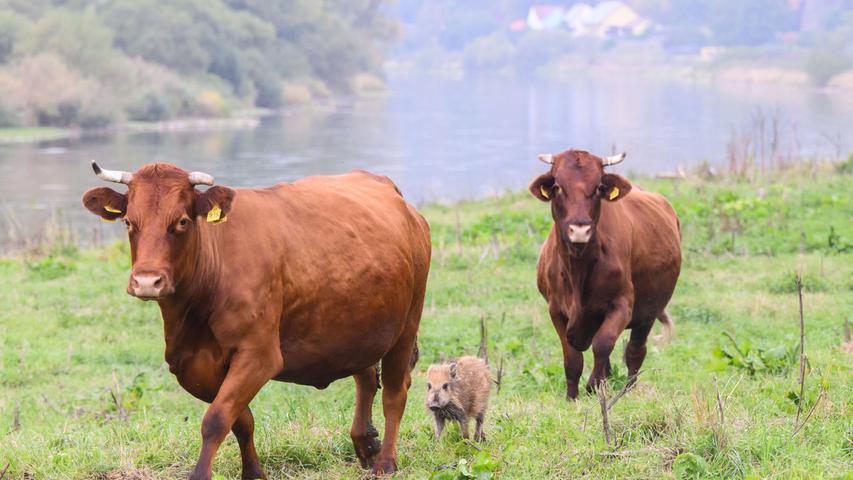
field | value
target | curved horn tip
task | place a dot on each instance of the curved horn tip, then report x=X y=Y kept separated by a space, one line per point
x=96 y=167
x=614 y=159
x=546 y=158
x=200 y=178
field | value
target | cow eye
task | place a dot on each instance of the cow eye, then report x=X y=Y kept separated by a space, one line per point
x=429 y=386
x=444 y=386
x=184 y=222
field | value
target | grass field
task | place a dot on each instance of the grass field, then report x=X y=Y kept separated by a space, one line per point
x=85 y=392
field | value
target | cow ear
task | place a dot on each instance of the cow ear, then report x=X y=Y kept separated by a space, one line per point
x=105 y=203
x=613 y=187
x=543 y=187
x=214 y=204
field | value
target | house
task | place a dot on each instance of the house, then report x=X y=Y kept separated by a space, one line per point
x=546 y=17
x=605 y=19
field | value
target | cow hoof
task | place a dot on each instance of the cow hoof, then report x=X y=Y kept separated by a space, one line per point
x=386 y=466
x=198 y=475
x=367 y=447
x=253 y=473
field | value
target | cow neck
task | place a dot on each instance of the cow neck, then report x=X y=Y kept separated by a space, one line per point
x=196 y=289
x=579 y=263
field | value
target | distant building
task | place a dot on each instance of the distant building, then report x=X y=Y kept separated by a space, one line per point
x=545 y=17
x=605 y=19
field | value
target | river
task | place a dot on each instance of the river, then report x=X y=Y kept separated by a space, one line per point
x=439 y=139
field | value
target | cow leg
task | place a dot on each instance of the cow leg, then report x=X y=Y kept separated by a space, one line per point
x=615 y=321
x=249 y=371
x=635 y=351
x=244 y=429
x=396 y=380
x=364 y=435
x=572 y=358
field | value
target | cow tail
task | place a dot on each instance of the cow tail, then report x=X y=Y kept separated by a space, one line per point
x=668 y=330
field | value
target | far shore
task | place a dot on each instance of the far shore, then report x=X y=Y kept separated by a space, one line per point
x=41 y=134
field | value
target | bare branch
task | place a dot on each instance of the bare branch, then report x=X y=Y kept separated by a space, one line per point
x=632 y=380
x=484 y=341
x=499 y=381
x=602 y=401
x=720 y=430
x=809 y=413
x=802 y=380
x=50 y=404
x=16 y=418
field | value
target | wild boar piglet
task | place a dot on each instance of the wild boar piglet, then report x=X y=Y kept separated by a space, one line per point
x=458 y=390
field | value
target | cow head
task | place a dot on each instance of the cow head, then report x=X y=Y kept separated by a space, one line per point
x=575 y=187
x=163 y=213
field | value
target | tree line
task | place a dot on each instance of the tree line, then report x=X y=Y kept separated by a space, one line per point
x=91 y=63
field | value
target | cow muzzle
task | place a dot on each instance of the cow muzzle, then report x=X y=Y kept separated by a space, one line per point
x=579 y=233
x=149 y=285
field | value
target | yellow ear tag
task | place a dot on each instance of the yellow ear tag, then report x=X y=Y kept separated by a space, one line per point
x=107 y=220
x=614 y=193
x=544 y=192
x=111 y=209
x=214 y=214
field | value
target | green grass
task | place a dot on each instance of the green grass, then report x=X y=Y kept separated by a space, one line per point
x=31 y=134
x=71 y=339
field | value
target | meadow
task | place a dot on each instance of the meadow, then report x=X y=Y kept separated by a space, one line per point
x=85 y=392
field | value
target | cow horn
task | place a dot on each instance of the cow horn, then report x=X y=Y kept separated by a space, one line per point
x=116 y=176
x=613 y=159
x=546 y=158
x=200 y=178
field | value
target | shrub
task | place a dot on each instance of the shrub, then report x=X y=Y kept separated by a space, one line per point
x=491 y=52
x=845 y=167
x=49 y=268
x=43 y=90
x=754 y=360
x=537 y=48
x=825 y=60
x=8 y=118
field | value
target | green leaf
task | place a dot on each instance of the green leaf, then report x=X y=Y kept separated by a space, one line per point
x=688 y=466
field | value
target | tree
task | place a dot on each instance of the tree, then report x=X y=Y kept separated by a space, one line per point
x=78 y=37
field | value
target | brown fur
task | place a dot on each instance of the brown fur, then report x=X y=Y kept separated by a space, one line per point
x=307 y=282
x=621 y=279
x=459 y=390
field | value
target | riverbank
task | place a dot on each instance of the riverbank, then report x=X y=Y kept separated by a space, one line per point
x=87 y=394
x=42 y=134
x=295 y=96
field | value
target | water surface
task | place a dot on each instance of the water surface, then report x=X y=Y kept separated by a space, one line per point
x=439 y=139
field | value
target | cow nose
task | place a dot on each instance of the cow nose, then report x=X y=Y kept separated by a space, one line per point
x=146 y=285
x=579 y=233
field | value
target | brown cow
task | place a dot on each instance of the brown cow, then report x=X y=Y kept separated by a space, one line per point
x=307 y=282
x=606 y=266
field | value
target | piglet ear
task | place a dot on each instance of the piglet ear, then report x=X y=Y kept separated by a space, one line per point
x=613 y=187
x=215 y=203
x=453 y=370
x=105 y=203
